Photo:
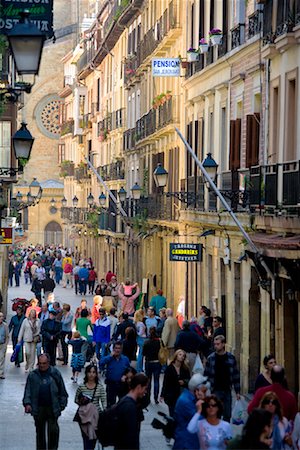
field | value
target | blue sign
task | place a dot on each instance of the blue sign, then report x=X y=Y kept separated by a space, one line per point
x=186 y=252
x=166 y=67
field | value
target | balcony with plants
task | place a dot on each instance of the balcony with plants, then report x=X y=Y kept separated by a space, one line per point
x=114 y=171
x=66 y=169
x=81 y=172
x=67 y=127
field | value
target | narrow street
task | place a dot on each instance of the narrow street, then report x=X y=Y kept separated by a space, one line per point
x=17 y=429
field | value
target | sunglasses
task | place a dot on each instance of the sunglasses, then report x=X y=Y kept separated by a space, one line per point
x=270 y=402
x=212 y=405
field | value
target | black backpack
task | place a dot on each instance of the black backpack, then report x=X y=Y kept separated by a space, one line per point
x=108 y=425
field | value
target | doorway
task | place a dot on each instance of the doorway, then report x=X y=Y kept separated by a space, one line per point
x=53 y=234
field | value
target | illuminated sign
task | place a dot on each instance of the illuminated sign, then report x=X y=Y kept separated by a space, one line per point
x=166 y=67
x=186 y=252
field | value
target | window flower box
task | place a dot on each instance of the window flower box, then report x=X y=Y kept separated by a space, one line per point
x=203 y=46
x=215 y=36
x=192 y=55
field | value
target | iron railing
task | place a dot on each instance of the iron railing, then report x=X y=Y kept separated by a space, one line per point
x=74 y=215
x=114 y=171
x=254 y=24
x=237 y=35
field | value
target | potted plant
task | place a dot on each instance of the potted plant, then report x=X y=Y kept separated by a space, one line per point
x=168 y=95
x=192 y=55
x=215 y=36
x=203 y=46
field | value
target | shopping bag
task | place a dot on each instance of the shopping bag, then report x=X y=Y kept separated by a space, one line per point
x=15 y=354
x=198 y=366
x=239 y=412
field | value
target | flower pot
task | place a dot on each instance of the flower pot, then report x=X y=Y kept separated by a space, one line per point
x=203 y=48
x=192 y=56
x=216 y=39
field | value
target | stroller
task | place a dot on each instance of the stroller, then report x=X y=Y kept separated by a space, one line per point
x=20 y=302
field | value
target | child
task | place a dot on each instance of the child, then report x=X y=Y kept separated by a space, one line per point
x=77 y=361
x=128 y=288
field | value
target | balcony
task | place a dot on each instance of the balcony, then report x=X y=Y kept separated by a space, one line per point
x=237 y=35
x=67 y=127
x=95 y=109
x=81 y=173
x=254 y=24
x=129 y=137
x=112 y=172
x=86 y=122
x=74 y=215
x=275 y=189
x=107 y=221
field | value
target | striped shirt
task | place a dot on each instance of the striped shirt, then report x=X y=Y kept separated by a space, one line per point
x=99 y=398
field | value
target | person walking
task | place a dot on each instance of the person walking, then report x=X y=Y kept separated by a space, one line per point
x=66 y=330
x=4 y=337
x=14 y=326
x=158 y=301
x=97 y=301
x=169 y=332
x=138 y=319
x=45 y=397
x=77 y=360
x=58 y=270
x=91 y=391
x=177 y=376
x=92 y=280
x=30 y=334
x=83 y=275
x=48 y=285
x=152 y=365
x=190 y=342
x=222 y=372
x=84 y=326
x=50 y=334
x=101 y=333
x=264 y=378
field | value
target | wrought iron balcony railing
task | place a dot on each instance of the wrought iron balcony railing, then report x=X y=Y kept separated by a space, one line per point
x=114 y=171
x=237 y=35
x=254 y=24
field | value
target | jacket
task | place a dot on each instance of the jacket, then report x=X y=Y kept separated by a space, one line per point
x=50 y=329
x=15 y=325
x=101 y=331
x=189 y=341
x=171 y=388
x=184 y=410
x=233 y=371
x=128 y=302
x=83 y=274
x=59 y=394
x=26 y=333
x=286 y=398
x=169 y=332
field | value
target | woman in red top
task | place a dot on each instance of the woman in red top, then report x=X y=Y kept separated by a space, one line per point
x=95 y=309
x=92 y=278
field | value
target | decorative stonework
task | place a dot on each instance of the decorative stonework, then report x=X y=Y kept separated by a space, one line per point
x=47 y=116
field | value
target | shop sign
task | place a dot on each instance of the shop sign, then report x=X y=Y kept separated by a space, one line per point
x=166 y=67
x=40 y=13
x=6 y=236
x=186 y=252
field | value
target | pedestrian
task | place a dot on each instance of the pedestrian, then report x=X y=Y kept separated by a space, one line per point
x=58 y=270
x=76 y=277
x=101 y=288
x=83 y=275
x=185 y=408
x=152 y=365
x=30 y=334
x=11 y=271
x=169 y=332
x=176 y=378
x=127 y=302
x=151 y=320
x=162 y=320
x=85 y=328
x=218 y=329
x=77 y=360
x=91 y=391
x=50 y=334
x=33 y=306
x=45 y=397
x=83 y=305
x=158 y=301
x=101 y=333
x=129 y=414
x=109 y=276
x=114 y=286
x=222 y=372
x=67 y=273
x=48 y=286
x=4 y=337
x=92 y=279
x=97 y=302
x=190 y=342
x=180 y=314
x=286 y=398
x=18 y=269
x=264 y=378
x=40 y=272
x=296 y=432
x=124 y=322
x=281 y=430
x=113 y=322
x=14 y=326
x=256 y=432
x=138 y=319
x=66 y=330
x=213 y=432
x=115 y=365
x=130 y=345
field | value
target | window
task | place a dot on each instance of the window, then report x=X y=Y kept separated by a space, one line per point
x=252 y=139
x=235 y=144
x=5 y=141
x=291 y=116
x=223 y=142
x=61 y=152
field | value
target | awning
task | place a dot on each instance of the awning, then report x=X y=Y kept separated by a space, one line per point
x=277 y=246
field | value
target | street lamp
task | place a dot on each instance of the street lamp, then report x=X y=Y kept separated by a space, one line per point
x=22 y=142
x=35 y=188
x=122 y=194
x=64 y=202
x=90 y=199
x=19 y=197
x=160 y=176
x=210 y=166
x=26 y=44
x=102 y=199
x=53 y=201
x=30 y=198
x=136 y=191
x=75 y=201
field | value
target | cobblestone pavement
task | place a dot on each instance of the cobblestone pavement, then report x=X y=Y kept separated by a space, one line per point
x=17 y=430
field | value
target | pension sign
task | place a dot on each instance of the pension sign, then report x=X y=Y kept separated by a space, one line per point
x=186 y=252
x=166 y=67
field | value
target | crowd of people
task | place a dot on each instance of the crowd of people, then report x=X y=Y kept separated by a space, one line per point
x=133 y=353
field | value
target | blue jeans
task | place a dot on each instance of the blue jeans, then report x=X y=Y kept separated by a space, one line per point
x=226 y=399
x=82 y=286
x=101 y=349
x=153 y=368
x=58 y=274
x=139 y=364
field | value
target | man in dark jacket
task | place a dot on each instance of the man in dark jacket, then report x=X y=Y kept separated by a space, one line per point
x=15 y=325
x=125 y=322
x=48 y=286
x=45 y=397
x=51 y=332
x=190 y=342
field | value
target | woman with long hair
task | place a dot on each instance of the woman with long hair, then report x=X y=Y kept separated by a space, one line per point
x=91 y=391
x=152 y=364
x=30 y=334
x=138 y=319
x=129 y=345
x=213 y=432
x=281 y=429
x=264 y=378
x=176 y=378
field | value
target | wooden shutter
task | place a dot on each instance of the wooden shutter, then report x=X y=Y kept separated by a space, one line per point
x=231 y=144
x=235 y=144
x=196 y=143
x=252 y=139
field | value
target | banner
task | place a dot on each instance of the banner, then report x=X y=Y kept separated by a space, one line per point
x=40 y=13
x=166 y=67
x=186 y=252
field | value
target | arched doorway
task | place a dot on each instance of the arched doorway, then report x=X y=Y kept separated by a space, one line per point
x=53 y=233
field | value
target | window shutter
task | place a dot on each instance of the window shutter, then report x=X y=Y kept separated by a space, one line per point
x=237 y=144
x=249 y=131
x=255 y=139
x=232 y=142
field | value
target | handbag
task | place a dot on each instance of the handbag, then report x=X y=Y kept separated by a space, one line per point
x=163 y=353
x=37 y=339
x=85 y=400
x=198 y=366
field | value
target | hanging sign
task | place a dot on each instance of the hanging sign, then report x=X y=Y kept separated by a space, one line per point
x=6 y=236
x=40 y=13
x=166 y=67
x=186 y=252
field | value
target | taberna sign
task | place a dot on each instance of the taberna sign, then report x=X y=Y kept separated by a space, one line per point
x=40 y=13
x=166 y=67
x=186 y=252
